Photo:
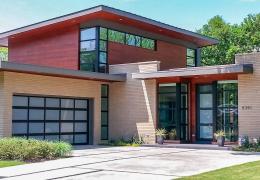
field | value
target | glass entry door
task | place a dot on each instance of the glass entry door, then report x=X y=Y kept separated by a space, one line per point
x=205 y=112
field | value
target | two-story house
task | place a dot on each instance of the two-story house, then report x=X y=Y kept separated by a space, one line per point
x=102 y=74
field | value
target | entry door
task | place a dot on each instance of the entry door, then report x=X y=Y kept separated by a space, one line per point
x=205 y=112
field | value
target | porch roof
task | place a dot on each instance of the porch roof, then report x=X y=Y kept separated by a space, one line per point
x=197 y=71
x=59 y=72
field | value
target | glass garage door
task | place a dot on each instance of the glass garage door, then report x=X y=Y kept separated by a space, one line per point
x=51 y=118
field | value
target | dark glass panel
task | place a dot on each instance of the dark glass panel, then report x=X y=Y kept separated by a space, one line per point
x=81 y=115
x=104 y=104
x=138 y=41
x=104 y=133
x=82 y=104
x=36 y=127
x=80 y=127
x=116 y=36
x=20 y=101
x=88 y=57
x=36 y=114
x=103 y=33
x=36 y=102
x=80 y=138
x=67 y=115
x=103 y=57
x=167 y=88
x=67 y=103
x=88 y=45
x=20 y=114
x=130 y=39
x=148 y=43
x=52 y=128
x=104 y=118
x=102 y=45
x=52 y=115
x=87 y=34
x=52 y=102
x=87 y=67
x=103 y=68
x=104 y=90
x=19 y=128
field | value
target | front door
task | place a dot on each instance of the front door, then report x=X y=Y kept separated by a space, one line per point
x=205 y=112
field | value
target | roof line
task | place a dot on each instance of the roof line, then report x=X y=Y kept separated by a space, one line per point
x=118 y=12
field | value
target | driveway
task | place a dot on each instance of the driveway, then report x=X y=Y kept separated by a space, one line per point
x=97 y=162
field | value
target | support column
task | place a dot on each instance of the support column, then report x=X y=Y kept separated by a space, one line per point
x=193 y=112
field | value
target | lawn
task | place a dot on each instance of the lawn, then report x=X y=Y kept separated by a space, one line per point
x=10 y=163
x=243 y=171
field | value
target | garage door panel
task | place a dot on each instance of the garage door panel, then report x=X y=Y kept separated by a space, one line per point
x=51 y=118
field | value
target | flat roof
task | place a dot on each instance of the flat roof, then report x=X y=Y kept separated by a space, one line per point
x=197 y=71
x=58 y=72
x=203 y=40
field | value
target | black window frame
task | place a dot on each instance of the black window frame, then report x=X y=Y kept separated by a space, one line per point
x=44 y=134
x=105 y=97
x=191 y=57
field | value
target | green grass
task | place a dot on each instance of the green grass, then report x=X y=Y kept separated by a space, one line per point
x=243 y=171
x=10 y=163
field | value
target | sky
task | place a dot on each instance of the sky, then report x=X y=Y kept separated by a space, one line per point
x=186 y=14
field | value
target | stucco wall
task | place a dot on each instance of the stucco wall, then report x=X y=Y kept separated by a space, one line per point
x=249 y=96
x=11 y=83
x=133 y=103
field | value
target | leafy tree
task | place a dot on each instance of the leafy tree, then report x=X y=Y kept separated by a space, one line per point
x=237 y=38
x=3 y=54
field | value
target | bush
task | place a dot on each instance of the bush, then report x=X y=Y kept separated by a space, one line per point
x=249 y=144
x=133 y=141
x=32 y=149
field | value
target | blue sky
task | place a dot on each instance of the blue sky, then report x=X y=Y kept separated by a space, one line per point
x=187 y=14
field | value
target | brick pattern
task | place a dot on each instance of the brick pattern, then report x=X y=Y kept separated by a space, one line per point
x=133 y=104
x=249 y=96
x=11 y=83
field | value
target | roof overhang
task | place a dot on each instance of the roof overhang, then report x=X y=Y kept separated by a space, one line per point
x=197 y=71
x=119 y=16
x=58 y=72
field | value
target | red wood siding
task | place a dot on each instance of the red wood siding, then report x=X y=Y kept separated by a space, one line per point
x=57 y=48
x=170 y=55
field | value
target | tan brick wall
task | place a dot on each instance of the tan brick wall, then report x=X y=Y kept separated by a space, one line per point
x=133 y=103
x=11 y=83
x=249 y=96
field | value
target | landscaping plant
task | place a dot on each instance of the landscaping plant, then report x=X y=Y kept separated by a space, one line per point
x=160 y=135
x=172 y=134
x=220 y=136
x=32 y=150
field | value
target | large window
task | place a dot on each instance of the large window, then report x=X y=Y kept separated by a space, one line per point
x=191 y=57
x=94 y=46
x=51 y=118
x=173 y=109
x=104 y=111
x=227 y=110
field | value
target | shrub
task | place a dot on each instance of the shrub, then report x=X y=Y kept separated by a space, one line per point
x=32 y=149
x=249 y=144
x=133 y=141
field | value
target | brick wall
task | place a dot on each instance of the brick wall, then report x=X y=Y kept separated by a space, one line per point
x=11 y=83
x=249 y=96
x=133 y=103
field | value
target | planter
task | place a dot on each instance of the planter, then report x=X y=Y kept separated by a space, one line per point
x=221 y=141
x=159 y=139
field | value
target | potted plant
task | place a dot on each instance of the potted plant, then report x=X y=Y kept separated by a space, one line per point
x=172 y=134
x=220 y=136
x=160 y=135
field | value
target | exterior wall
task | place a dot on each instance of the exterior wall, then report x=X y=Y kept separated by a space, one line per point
x=249 y=97
x=11 y=83
x=133 y=103
x=58 y=48
x=170 y=55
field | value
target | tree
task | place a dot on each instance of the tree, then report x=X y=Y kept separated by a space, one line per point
x=3 y=54
x=237 y=38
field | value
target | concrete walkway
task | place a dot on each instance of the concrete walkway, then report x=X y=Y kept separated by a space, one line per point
x=97 y=162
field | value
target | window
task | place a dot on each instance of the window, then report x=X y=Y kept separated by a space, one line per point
x=148 y=43
x=104 y=111
x=88 y=53
x=51 y=118
x=190 y=58
x=94 y=46
x=116 y=36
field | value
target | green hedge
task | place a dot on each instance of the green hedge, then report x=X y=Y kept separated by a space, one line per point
x=32 y=150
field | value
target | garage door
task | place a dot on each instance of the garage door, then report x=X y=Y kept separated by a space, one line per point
x=51 y=118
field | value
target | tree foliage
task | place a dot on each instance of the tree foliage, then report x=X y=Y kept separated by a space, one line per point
x=3 y=54
x=236 y=38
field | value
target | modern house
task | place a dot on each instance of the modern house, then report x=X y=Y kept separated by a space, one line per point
x=102 y=74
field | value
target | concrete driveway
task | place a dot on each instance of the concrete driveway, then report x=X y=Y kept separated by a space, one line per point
x=97 y=162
